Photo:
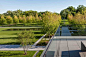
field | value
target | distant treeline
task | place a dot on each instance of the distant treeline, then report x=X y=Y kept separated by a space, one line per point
x=20 y=16
x=75 y=16
x=48 y=20
x=72 y=10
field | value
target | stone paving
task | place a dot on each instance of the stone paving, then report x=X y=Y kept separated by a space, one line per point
x=65 y=31
x=18 y=47
x=66 y=46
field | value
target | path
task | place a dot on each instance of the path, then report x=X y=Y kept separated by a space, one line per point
x=20 y=27
x=18 y=47
x=65 y=31
x=65 y=46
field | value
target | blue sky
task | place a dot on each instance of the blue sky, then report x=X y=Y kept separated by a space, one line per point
x=39 y=5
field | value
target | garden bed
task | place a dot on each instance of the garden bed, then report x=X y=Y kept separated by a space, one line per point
x=39 y=53
x=43 y=42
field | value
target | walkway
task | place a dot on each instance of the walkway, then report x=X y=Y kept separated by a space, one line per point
x=20 y=27
x=18 y=47
x=65 y=46
x=65 y=31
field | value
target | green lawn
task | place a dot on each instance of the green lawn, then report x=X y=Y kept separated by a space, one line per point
x=64 y=22
x=16 y=54
x=10 y=37
x=24 y=25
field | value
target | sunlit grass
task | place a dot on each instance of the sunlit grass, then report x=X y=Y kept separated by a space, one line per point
x=64 y=22
x=16 y=54
x=10 y=37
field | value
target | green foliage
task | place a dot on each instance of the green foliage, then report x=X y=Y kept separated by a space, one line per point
x=64 y=22
x=50 y=22
x=20 y=19
x=19 y=16
x=24 y=19
x=28 y=13
x=39 y=54
x=9 y=19
x=78 y=21
x=80 y=9
x=30 y=19
x=70 y=10
x=16 y=54
x=24 y=38
x=43 y=42
x=12 y=38
x=16 y=20
x=3 y=20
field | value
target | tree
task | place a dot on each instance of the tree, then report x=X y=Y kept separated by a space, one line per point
x=36 y=18
x=29 y=19
x=80 y=9
x=30 y=12
x=9 y=13
x=69 y=10
x=64 y=13
x=50 y=23
x=9 y=19
x=3 y=20
x=20 y=19
x=26 y=38
x=24 y=19
x=16 y=20
x=70 y=18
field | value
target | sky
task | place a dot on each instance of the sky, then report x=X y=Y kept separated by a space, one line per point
x=38 y=5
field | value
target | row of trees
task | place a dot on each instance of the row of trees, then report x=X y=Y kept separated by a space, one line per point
x=21 y=19
x=75 y=16
x=21 y=13
x=78 y=20
x=18 y=16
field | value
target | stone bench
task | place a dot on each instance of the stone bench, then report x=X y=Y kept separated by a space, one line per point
x=82 y=54
x=83 y=45
x=83 y=48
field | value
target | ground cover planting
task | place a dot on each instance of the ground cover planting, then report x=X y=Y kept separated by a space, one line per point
x=39 y=53
x=16 y=54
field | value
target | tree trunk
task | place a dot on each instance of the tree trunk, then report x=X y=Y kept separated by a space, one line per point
x=25 y=51
x=49 y=35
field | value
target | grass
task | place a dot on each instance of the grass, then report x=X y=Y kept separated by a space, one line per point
x=64 y=22
x=39 y=54
x=16 y=54
x=37 y=24
x=10 y=37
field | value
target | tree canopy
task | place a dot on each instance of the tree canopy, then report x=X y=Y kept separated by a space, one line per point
x=72 y=10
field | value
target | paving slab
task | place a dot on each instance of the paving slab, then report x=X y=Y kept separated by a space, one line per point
x=65 y=31
x=67 y=46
